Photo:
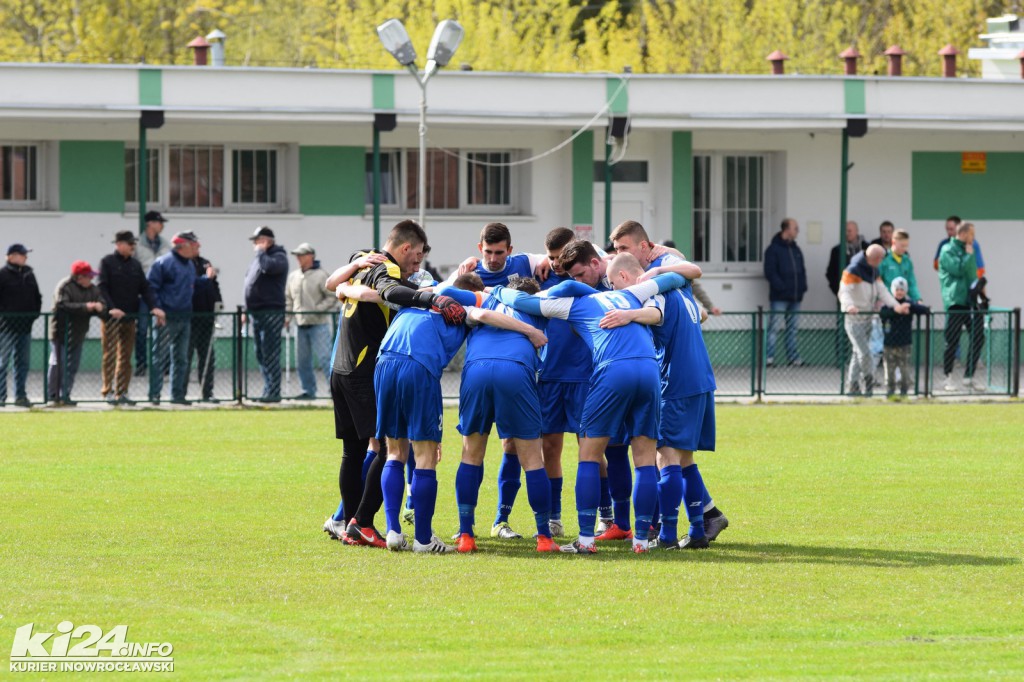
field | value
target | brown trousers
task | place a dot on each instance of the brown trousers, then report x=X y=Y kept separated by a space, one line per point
x=118 y=339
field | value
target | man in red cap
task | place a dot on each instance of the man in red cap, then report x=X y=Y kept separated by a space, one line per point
x=74 y=301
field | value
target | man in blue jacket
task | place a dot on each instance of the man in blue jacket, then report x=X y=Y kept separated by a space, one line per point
x=264 y=300
x=787 y=281
x=172 y=279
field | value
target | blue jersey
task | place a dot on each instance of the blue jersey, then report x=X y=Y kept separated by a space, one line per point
x=491 y=343
x=566 y=357
x=685 y=365
x=423 y=336
x=584 y=313
x=516 y=264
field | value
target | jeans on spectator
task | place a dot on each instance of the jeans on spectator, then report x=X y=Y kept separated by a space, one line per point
x=14 y=346
x=958 y=317
x=118 y=340
x=201 y=346
x=64 y=359
x=141 y=334
x=792 y=311
x=266 y=334
x=314 y=341
x=171 y=346
x=858 y=328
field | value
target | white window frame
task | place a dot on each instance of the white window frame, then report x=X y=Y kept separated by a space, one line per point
x=28 y=204
x=230 y=206
x=716 y=228
x=464 y=207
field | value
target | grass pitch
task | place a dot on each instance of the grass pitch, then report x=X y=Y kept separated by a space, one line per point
x=879 y=541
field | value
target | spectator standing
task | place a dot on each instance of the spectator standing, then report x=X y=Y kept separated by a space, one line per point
x=206 y=303
x=787 y=281
x=74 y=301
x=854 y=245
x=265 y=304
x=885 y=232
x=150 y=247
x=20 y=304
x=899 y=337
x=951 y=225
x=860 y=294
x=306 y=295
x=122 y=283
x=897 y=263
x=958 y=269
x=172 y=279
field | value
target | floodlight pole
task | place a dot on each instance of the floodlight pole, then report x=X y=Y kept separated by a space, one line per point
x=421 y=194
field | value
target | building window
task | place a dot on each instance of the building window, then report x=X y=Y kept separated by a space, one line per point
x=195 y=176
x=254 y=177
x=19 y=176
x=623 y=171
x=730 y=208
x=131 y=175
x=457 y=182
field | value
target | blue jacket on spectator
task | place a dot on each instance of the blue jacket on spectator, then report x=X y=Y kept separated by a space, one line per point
x=172 y=280
x=784 y=268
x=265 y=279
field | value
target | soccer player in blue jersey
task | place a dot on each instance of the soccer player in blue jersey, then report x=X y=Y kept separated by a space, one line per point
x=496 y=264
x=499 y=387
x=624 y=390
x=414 y=352
x=688 y=405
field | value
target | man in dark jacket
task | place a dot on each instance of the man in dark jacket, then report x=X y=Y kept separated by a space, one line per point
x=206 y=302
x=264 y=301
x=20 y=303
x=854 y=245
x=172 y=279
x=74 y=301
x=787 y=281
x=122 y=283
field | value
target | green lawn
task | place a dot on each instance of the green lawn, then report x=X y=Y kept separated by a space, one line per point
x=879 y=541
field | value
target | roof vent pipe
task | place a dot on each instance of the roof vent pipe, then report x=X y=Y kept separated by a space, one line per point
x=895 y=54
x=949 y=54
x=778 y=60
x=217 y=39
x=199 y=48
x=850 y=57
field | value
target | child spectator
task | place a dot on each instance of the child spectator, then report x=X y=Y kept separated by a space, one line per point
x=898 y=338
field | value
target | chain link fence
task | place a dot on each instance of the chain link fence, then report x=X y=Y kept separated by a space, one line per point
x=266 y=356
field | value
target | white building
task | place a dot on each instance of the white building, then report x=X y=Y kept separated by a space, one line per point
x=731 y=155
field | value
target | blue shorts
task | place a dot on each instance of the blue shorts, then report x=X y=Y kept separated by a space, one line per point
x=689 y=423
x=408 y=399
x=624 y=400
x=501 y=391
x=561 y=406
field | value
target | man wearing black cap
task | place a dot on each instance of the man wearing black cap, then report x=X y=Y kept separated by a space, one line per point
x=264 y=302
x=122 y=283
x=20 y=303
x=150 y=247
x=172 y=279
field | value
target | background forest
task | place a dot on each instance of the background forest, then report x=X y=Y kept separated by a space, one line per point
x=651 y=36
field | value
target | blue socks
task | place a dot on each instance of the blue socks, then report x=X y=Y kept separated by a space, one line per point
x=620 y=483
x=538 y=491
x=693 y=497
x=467 y=492
x=424 y=497
x=645 y=494
x=588 y=495
x=367 y=461
x=340 y=514
x=670 y=495
x=392 y=485
x=410 y=469
x=556 y=498
x=508 y=486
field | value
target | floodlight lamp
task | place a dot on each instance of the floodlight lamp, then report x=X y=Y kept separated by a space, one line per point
x=396 y=41
x=447 y=37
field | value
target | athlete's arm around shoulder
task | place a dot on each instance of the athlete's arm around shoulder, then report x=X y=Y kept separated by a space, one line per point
x=677 y=265
x=658 y=285
x=357 y=292
x=501 y=321
x=534 y=305
x=347 y=272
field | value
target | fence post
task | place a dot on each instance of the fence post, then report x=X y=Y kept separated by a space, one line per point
x=1015 y=344
x=239 y=354
x=46 y=358
x=841 y=348
x=917 y=355
x=928 y=354
x=759 y=353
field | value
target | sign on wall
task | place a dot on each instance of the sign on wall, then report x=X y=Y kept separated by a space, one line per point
x=973 y=162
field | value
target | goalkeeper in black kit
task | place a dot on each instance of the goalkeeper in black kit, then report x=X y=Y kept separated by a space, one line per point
x=361 y=328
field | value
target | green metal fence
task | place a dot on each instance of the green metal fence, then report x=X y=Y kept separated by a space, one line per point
x=217 y=359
